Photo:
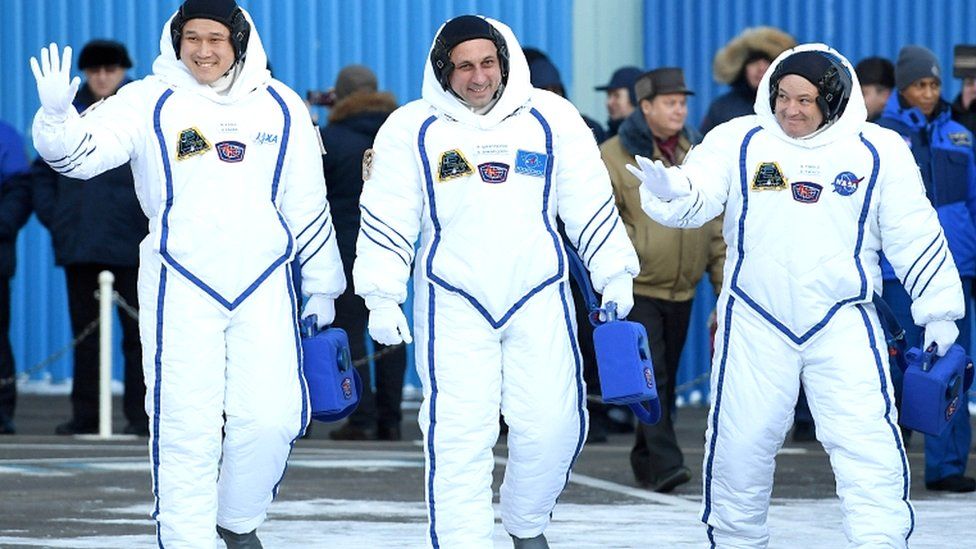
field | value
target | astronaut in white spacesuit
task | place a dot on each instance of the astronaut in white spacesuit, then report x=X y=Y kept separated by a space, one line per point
x=228 y=170
x=479 y=168
x=811 y=194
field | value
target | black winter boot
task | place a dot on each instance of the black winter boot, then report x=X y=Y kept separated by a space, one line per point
x=538 y=542
x=239 y=541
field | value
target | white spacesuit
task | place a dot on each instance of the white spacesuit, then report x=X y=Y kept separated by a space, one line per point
x=493 y=313
x=805 y=220
x=233 y=188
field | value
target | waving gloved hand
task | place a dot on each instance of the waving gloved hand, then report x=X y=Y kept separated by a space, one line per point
x=55 y=86
x=620 y=290
x=387 y=325
x=941 y=332
x=322 y=307
x=660 y=181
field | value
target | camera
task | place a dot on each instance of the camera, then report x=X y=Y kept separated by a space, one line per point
x=323 y=98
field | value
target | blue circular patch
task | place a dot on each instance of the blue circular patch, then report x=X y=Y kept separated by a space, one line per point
x=845 y=184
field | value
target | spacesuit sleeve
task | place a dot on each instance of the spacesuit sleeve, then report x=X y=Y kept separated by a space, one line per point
x=586 y=205
x=306 y=210
x=391 y=206
x=912 y=238
x=107 y=135
x=709 y=169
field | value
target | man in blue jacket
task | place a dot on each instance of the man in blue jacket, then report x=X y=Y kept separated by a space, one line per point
x=943 y=150
x=96 y=225
x=15 y=208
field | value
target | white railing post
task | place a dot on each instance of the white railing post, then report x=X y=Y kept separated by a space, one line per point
x=105 y=280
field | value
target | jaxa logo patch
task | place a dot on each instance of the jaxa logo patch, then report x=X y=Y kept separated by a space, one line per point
x=453 y=165
x=367 y=164
x=806 y=192
x=768 y=178
x=191 y=143
x=264 y=138
x=845 y=184
x=961 y=139
x=531 y=163
x=230 y=151
x=493 y=172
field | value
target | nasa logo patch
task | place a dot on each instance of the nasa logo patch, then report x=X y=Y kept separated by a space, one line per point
x=346 y=388
x=493 y=172
x=531 y=163
x=191 y=143
x=768 y=178
x=452 y=165
x=806 y=192
x=230 y=151
x=845 y=184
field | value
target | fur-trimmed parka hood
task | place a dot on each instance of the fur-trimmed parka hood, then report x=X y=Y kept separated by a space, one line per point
x=360 y=102
x=729 y=61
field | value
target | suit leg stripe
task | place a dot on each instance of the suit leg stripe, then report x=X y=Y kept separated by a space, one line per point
x=906 y=480
x=433 y=416
x=716 y=408
x=580 y=396
x=157 y=390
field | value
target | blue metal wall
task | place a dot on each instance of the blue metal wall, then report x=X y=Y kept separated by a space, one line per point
x=688 y=33
x=308 y=42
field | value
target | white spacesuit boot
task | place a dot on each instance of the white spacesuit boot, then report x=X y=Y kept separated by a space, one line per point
x=538 y=542
x=240 y=541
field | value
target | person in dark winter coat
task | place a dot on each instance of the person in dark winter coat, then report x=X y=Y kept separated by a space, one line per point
x=356 y=116
x=97 y=225
x=543 y=74
x=15 y=209
x=741 y=64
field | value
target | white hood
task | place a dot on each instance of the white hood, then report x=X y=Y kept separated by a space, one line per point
x=850 y=121
x=515 y=94
x=173 y=72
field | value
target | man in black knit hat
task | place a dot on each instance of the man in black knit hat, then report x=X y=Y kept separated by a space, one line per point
x=478 y=169
x=811 y=196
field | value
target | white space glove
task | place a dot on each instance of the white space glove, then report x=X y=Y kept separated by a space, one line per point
x=620 y=290
x=55 y=86
x=387 y=325
x=322 y=307
x=941 y=332
x=660 y=181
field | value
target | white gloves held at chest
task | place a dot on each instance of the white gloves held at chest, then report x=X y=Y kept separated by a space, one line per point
x=620 y=290
x=941 y=332
x=55 y=87
x=387 y=325
x=663 y=183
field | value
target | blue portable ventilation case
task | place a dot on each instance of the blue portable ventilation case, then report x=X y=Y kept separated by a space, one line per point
x=934 y=388
x=622 y=353
x=334 y=386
